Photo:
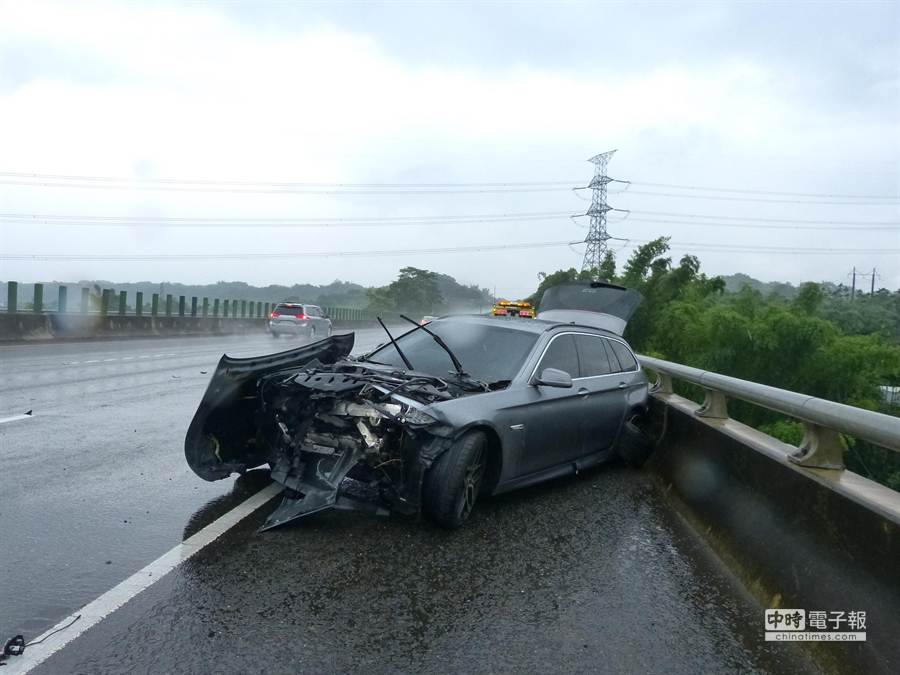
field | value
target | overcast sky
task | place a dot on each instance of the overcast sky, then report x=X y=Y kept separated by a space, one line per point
x=798 y=98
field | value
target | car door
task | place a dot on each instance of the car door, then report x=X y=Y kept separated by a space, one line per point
x=603 y=389
x=553 y=431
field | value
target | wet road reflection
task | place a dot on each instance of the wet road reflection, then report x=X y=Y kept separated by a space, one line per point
x=593 y=573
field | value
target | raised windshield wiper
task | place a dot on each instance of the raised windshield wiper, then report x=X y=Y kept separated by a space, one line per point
x=396 y=346
x=443 y=345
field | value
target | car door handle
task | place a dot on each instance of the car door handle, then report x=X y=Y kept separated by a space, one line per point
x=583 y=391
x=622 y=385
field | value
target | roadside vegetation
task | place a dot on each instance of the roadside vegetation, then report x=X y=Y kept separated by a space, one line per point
x=814 y=340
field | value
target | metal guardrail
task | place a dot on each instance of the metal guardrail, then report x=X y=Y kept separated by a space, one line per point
x=823 y=420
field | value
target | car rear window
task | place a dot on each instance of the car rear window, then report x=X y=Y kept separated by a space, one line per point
x=289 y=309
x=623 y=355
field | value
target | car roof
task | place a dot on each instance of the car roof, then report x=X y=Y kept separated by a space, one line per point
x=525 y=325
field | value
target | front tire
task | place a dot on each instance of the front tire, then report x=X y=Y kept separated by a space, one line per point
x=454 y=481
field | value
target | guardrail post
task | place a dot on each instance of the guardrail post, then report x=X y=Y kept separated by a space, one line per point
x=234 y=309
x=123 y=302
x=216 y=307
x=62 y=299
x=259 y=310
x=180 y=305
x=243 y=309
x=267 y=310
x=822 y=448
x=194 y=305
x=12 y=295
x=104 y=301
x=85 y=300
x=154 y=304
x=715 y=405
x=139 y=303
x=663 y=384
x=168 y=304
x=38 y=304
x=225 y=308
x=205 y=310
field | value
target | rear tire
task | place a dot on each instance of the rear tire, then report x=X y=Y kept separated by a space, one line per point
x=312 y=333
x=634 y=445
x=454 y=481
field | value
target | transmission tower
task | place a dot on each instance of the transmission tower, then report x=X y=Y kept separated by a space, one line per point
x=597 y=234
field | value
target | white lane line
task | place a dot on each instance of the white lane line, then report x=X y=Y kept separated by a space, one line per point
x=94 y=612
x=15 y=418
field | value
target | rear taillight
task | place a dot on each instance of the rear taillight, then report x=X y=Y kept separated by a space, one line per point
x=301 y=315
x=273 y=315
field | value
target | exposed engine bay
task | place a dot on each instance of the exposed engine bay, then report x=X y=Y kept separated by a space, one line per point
x=345 y=434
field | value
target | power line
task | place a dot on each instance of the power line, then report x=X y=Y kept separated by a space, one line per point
x=762 y=226
x=147 y=221
x=258 y=256
x=285 y=191
x=216 y=221
x=750 y=199
x=761 y=220
x=251 y=183
x=753 y=248
x=697 y=246
x=828 y=195
x=316 y=187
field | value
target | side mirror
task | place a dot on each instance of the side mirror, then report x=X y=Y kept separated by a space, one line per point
x=553 y=377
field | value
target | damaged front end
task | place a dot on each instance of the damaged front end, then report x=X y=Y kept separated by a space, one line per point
x=336 y=433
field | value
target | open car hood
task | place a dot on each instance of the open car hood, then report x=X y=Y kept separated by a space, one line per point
x=221 y=438
x=598 y=304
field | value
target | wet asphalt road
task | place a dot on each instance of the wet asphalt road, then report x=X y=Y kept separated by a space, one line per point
x=94 y=486
x=593 y=573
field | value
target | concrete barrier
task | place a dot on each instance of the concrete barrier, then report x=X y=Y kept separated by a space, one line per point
x=813 y=539
x=24 y=326
x=31 y=326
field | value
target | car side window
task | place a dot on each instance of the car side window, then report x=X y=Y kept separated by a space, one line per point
x=593 y=356
x=623 y=355
x=312 y=311
x=561 y=355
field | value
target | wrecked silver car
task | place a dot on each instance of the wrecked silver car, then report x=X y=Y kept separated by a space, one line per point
x=437 y=416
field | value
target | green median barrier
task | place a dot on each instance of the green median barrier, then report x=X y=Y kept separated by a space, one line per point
x=38 y=305
x=12 y=296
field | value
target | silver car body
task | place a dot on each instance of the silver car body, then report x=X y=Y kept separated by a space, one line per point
x=339 y=432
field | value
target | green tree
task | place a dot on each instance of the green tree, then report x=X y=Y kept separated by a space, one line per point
x=415 y=290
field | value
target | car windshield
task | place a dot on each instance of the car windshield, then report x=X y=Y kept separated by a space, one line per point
x=487 y=353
